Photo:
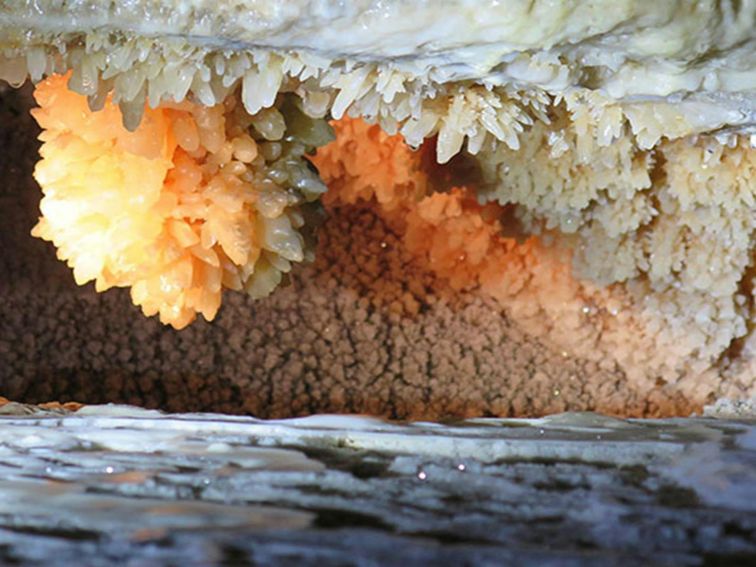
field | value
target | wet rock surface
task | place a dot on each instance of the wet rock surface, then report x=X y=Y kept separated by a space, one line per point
x=109 y=485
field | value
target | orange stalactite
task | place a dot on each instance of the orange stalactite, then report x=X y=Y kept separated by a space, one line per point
x=461 y=240
x=365 y=163
x=176 y=210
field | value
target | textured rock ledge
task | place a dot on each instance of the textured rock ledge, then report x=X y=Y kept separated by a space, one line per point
x=650 y=94
x=106 y=484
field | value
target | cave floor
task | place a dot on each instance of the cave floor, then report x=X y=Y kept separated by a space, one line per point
x=116 y=485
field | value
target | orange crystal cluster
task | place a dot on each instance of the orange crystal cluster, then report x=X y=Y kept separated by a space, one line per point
x=176 y=210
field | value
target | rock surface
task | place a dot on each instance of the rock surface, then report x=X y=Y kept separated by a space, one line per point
x=111 y=485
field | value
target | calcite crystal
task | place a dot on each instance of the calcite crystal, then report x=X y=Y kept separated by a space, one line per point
x=195 y=199
x=608 y=199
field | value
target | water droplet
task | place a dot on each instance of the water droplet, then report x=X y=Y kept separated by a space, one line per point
x=540 y=432
x=109 y=470
x=557 y=392
x=461 y=467
x=384 y=244
x=421 y=475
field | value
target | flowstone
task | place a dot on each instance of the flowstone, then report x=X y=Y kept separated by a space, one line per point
x=109 y=485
